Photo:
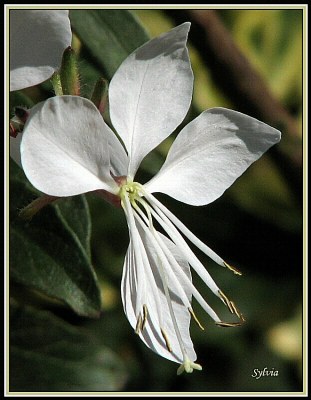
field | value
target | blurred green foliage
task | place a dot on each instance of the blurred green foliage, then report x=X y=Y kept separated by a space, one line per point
x=256 y=225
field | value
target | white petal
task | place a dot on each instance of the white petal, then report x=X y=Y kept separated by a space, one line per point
x=210 y=153
x=37 y=41
x=151 y=334
x=150 y=93
x=64 y=149
x=118 y=157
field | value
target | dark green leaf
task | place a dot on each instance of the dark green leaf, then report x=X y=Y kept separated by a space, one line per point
x=19 y=98
x=51 y=252
x=48 y=354
x=109 y=35
x=75 y=216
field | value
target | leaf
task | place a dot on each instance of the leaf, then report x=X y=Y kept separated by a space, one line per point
x=52 y=252
x=48 y=354
x=75 y=216
x=19 y=98
x=109 y=35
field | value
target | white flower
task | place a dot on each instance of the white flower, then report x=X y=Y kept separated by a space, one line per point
x=37 y=41
x=68 y=149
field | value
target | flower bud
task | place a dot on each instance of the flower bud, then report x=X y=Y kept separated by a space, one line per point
x=69 y=75
x=18 y=121
x=100 y=95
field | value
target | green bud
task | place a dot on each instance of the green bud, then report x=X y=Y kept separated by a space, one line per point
x=18 y=121
x=100 y=95
x=57 y=85
x=69 y=75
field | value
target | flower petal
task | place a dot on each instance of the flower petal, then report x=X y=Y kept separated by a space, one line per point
x=210 y=153
x=118 y=157
x=150 y=93
x=37 y=41
x=64 y=149
x=158 y=310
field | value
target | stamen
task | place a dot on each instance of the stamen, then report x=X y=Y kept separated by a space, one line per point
x=228 y=324
x=167 y=343
x=141 y=288
x=184 y=248
x=232 y=307
x=227 y=302
x=236 y=311
x=196 y=241
x=185 y=278
x=151 y=279
x=141 y=320
x=167 y=253
x=138 y=328
x=195 y=318
x=233 y=269
x=164 y=267
x=145 y=315
x=147 y=209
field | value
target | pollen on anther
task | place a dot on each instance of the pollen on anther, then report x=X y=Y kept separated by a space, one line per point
x=226 y=301
x=236 y=311
x=196 y=319
x=139 y=324
x=167 y=343
x=145 y=315
x=233 y=269
x=228 y=324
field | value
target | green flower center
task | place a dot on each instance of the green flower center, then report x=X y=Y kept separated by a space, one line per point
x=133 y=190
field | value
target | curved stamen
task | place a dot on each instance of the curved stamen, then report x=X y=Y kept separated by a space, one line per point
x=167 y=252
x=195 y=240
x=154 y=287
x=193 y=260
x=181 y=292
x=164 y=267
x=141 y=289
x=185 y=249
x=187 y=282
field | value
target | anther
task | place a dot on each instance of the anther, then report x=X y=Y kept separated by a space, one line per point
x=145 y=315
x=228 y=324
x=226 y=301
x=233 y=269
x=139 y=325
x=195 y=318
x=167 y=343
x=232 y=307
x=236 y=311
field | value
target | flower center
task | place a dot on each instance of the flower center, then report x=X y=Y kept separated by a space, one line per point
x=133 y=191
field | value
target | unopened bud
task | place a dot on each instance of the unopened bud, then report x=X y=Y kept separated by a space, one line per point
x=57 y=85
x=21 y=113
x=18 y=121
x=100 y=95
x=69 y=74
